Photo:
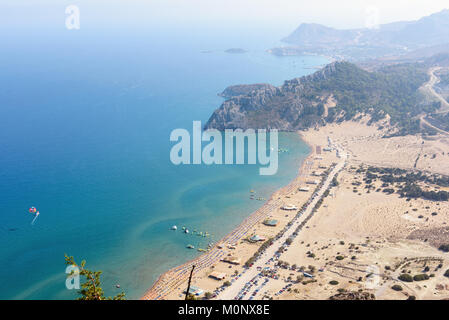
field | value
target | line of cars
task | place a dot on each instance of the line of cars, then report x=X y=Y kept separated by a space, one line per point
x=250 y=285
x=283 y=289
x=223 y=287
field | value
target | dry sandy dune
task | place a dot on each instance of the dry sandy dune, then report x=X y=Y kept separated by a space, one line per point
x=364 y=238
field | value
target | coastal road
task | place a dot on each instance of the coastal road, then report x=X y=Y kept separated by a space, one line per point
x=232 y=291
x=429 y=87
x=428 y=124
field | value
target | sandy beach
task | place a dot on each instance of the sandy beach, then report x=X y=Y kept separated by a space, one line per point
x=171 y=284
x=358 y=241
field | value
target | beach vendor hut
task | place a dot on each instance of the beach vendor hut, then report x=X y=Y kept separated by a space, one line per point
x=271 y=223
x=256 y=238
x=217 y=275
x=196 y=291
x=232 y=260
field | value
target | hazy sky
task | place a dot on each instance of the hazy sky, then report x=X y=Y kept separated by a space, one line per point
x=281 y=14
x=338 y=13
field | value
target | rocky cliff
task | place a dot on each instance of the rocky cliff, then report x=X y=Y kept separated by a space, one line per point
x=341 y=90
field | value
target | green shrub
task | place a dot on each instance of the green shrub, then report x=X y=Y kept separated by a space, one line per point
x=421 y=277
x=405 y=277
x=444 y=247
x=396 y=287
x=333 y=282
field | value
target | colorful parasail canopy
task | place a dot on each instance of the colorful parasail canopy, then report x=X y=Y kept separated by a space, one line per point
x=32 y=210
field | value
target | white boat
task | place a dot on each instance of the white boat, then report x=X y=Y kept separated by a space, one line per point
x=174 y=228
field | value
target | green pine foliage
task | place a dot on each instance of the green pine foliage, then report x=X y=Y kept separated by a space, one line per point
x=91 y=287
x=392 y=90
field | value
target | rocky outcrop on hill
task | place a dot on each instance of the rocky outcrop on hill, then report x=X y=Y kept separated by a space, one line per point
x=268 y=107
x=243 y=89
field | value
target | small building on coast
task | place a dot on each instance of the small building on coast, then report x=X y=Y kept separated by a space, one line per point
x=256 y=238
x=217 y=275
x=196 y=291
x=289 y=207
x=232 y=260
x=271 y=222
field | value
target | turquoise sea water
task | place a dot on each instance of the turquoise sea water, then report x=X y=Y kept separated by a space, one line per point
x=85 y=120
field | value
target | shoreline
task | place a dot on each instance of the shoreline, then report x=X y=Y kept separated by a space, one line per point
x=357 y=226
x=176 y=275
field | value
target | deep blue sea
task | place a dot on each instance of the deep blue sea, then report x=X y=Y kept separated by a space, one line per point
x=85 y=120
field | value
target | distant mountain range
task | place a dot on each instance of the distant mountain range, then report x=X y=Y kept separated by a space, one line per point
x=358 y=44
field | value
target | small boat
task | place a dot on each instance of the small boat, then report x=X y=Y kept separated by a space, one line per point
x=186 y=231
x=252 y=191
x=201 y=250
x=174 y=228
x=189 y=246
x=117 y=286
